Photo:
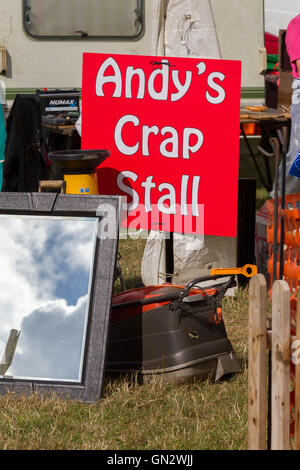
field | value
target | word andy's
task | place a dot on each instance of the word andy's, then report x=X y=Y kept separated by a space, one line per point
x=165 y=76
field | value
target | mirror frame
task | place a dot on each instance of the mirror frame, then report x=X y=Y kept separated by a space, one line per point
x=106 y=210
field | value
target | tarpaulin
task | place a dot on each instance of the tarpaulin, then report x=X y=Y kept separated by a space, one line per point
x=184 y=28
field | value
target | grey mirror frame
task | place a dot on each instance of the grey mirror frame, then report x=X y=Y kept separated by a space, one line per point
x=106 y=210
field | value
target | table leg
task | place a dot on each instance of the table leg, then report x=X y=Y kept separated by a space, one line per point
x=268 y=186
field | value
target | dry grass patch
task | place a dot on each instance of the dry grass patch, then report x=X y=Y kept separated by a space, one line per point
x=198 y=415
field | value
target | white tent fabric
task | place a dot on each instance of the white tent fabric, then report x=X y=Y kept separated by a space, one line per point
x=158 y=27
x=190 y=30
x=193 y=257
x=185 y=28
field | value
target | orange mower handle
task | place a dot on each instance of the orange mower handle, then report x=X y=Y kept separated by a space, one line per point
x=248 y=270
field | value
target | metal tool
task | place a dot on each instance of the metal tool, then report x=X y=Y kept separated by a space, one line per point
x=283 y=137
x=276 y=149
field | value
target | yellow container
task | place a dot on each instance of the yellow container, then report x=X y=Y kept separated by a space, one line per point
x=85 y=184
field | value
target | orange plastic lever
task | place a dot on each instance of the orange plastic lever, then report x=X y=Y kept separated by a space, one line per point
x=248 y=270
x=257 y=108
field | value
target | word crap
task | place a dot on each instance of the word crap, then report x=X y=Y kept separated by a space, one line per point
x=188 y=135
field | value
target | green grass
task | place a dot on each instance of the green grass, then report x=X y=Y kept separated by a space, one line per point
x=198 y=415
x=131 y=252
x=195 y=416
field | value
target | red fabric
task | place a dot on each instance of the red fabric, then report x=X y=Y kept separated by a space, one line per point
x=271 y=43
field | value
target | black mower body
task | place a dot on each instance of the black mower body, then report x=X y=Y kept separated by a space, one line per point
x=176 y=339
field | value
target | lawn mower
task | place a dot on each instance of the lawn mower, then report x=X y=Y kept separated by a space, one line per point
x=173 y=332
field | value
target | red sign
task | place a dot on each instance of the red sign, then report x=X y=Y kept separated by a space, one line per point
x=172 y=127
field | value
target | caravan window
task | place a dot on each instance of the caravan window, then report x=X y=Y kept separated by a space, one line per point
x=71 y=19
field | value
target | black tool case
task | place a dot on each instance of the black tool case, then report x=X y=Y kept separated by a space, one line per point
x=58 y=101
x=173 y=332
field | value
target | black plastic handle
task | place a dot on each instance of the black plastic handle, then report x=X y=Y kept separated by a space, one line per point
x=208 y=278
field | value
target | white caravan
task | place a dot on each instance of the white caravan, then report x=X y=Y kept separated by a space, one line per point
x=42 y=41
x=278 y=14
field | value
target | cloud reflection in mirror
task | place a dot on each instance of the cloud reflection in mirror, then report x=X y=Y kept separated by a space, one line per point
x=45 y=277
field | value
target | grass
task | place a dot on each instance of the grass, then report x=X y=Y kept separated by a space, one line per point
x=130 y=416
x=131 y=252
x=198 y=415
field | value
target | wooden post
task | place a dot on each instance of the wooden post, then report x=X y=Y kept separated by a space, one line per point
x=281 y=357
x=297 y=377
x=257 y=375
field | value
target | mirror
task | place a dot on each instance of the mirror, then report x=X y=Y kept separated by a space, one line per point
x=56 y=281
x=45 y=284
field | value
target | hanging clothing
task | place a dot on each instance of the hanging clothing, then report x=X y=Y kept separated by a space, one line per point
x=190 y=30
x=2 y=143
x=185 y=28
x=25 y=161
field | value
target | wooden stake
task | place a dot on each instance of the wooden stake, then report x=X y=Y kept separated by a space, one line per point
x=257 y=373
x=297 y=378
x=281 y=356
